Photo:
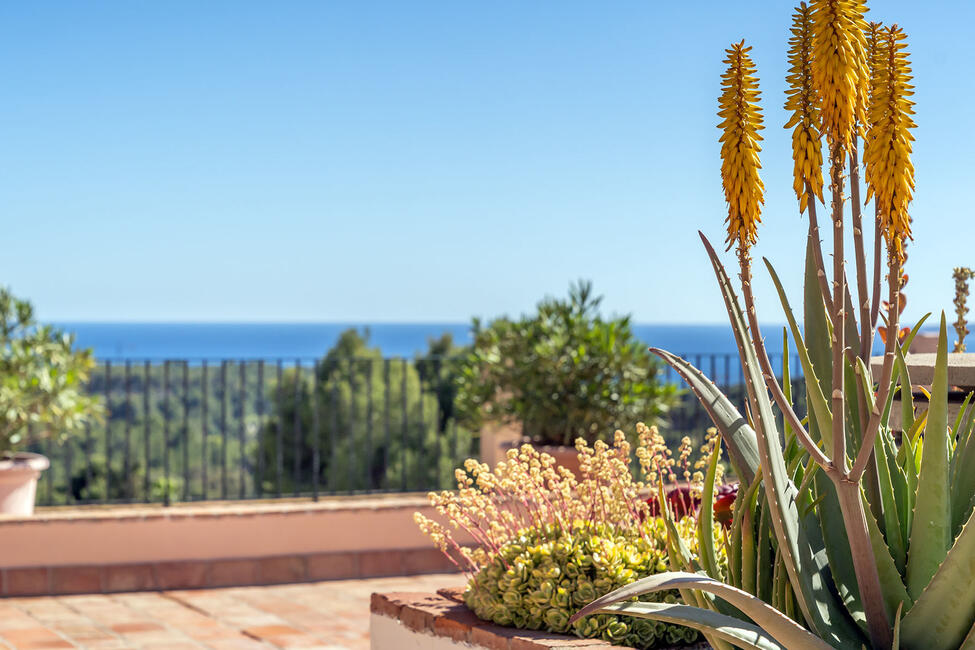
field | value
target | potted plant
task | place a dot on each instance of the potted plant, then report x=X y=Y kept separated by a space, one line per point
x=42 y=379
x=562 y=373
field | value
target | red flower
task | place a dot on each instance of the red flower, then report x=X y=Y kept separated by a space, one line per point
x=683 y=501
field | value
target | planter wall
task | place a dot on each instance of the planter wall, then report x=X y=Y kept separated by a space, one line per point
x=441 y=621
x=920 y=365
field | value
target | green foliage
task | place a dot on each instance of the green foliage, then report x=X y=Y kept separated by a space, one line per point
x=540 y=580
x=564 y=372
x=42 y=379
x=335 y=418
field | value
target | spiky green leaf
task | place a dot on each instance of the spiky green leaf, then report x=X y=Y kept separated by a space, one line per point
x=931 y=532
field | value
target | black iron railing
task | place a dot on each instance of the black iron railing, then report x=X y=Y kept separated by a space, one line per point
x=191 y=430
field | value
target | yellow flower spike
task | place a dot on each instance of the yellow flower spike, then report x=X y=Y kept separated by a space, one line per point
x=875 y=64
x=803 y=102
x=839 y=67
x=741 y=119
x=890 y=172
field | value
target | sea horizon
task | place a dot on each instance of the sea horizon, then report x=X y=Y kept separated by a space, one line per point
x=153 y=341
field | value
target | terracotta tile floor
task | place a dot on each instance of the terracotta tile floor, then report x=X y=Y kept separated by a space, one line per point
x=332 y=615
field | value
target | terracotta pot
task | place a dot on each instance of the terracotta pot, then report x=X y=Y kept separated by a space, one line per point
x=18 y=482
x=497 y=439
x=564 y=455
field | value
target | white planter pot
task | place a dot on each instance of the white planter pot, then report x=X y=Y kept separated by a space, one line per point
x=18 y=482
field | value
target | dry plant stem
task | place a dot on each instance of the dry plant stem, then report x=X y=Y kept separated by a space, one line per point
x=848 y=491
x=886 y=371
x=863 y=296
x=839 y=311
x=866 y=324
x=818 y=249
x=877 y=264
x=777 y=394
x=864 y=562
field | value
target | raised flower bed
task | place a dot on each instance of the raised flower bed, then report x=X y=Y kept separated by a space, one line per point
x=441 y=621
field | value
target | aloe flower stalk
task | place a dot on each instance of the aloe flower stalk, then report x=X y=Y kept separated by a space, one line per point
x=872 y=35
x=839 y=67
x=741 y=120
x=890 y=180
x=890 y=173
x=803 y=101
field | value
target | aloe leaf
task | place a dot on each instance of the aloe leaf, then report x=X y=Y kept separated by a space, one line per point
x=943 y=613
x=931 y=533
x=817 y=603
x=726 y=628
x=891 y=582
x=738 y=436
x=907 y=391
x=764 y=561
x=816 y=329
x=788 y=433
x=705 y=522
x=817 y=399
x=896 y=644
x=743 y=529
x=680 y=554
x=892 y=529
x=837 y=544
x=906 y=343
x=969 y=642
x=783 y=629
x=962 y=478
x=854 y=429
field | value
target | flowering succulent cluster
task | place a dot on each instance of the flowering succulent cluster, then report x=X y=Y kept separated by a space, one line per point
x=547 y=542
x=529 y=491
x=542 y=578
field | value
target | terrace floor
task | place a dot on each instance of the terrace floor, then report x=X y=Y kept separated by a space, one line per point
x=333 y=614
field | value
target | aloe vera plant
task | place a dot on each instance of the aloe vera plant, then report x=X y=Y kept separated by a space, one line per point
x=842 y=537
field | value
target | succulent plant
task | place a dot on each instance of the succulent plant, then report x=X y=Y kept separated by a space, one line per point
x=539 y=580
x=841 y=536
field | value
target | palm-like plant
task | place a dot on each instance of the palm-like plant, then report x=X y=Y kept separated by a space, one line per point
x=841 y=537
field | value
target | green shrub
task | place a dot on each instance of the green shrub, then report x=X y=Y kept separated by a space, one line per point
x=42 y=379
x=564 y=373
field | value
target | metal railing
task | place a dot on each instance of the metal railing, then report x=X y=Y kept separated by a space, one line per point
x=192 y=430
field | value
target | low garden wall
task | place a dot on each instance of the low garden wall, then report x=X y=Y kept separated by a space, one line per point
x=94 y=550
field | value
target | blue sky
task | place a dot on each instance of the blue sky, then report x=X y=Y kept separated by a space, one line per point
x=342 y=161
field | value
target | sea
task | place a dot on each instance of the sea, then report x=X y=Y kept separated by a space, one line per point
x=198 y=341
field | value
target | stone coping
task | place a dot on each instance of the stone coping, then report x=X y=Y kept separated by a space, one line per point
x=445 y=615
x=961 y=368
x=218 y=509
